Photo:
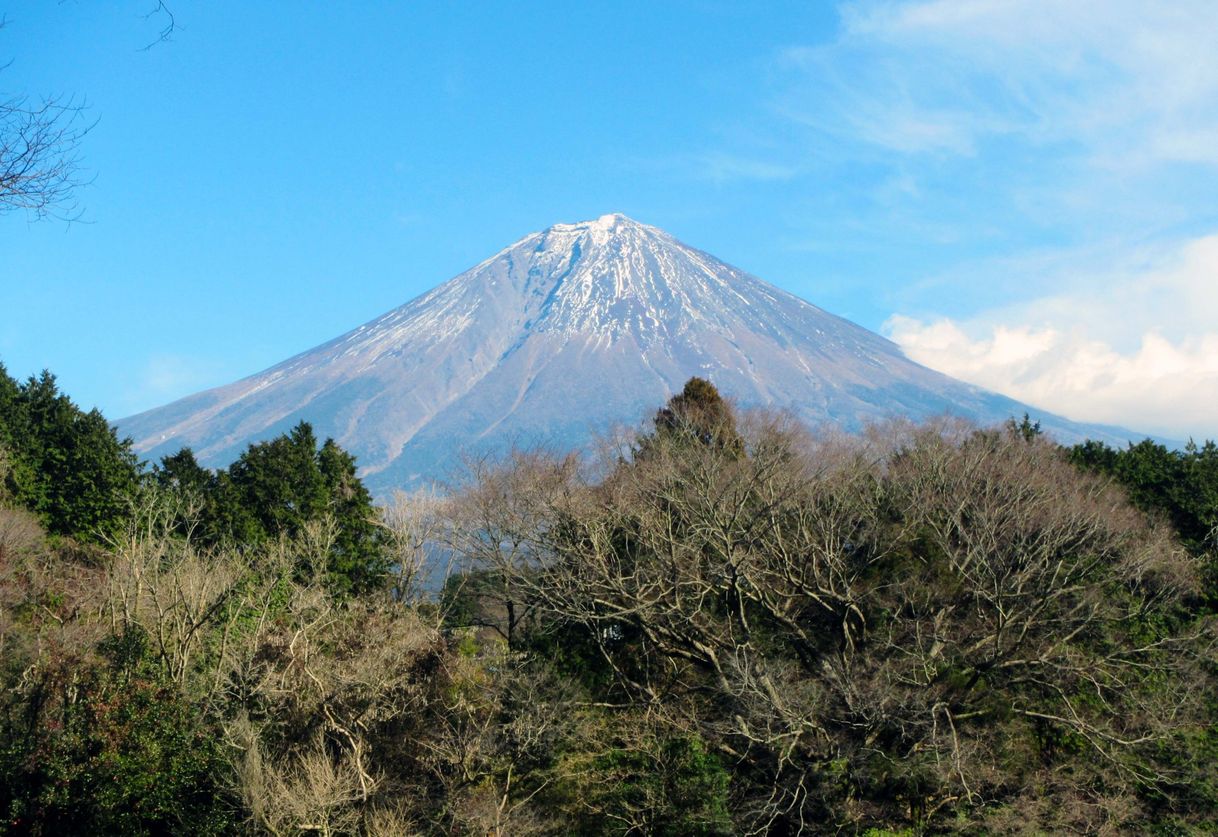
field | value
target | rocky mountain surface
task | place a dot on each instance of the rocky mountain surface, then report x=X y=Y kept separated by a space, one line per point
x=562 y=334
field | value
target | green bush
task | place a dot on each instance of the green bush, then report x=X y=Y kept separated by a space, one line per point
x=109 y=747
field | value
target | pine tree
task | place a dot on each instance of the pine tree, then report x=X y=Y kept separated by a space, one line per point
x=276 y=489
x=359 y=551
x=698 y=414
x=66 y=465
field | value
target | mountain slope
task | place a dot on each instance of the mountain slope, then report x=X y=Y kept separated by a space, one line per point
x=565 y=332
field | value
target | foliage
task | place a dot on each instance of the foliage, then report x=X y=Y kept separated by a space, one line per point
x=284 y=488
x=733 y=627
x=94 y=738
x=66 y=465
x=644 y=784
x=697 y=415
x=1180 y=485
x=752 y=594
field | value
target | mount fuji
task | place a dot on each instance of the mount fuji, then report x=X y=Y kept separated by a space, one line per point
x=566 y=332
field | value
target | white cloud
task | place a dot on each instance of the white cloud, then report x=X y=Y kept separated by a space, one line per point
x=1032 y=158
x=1100 y=351
x=1133 y=83
x=1064 y=140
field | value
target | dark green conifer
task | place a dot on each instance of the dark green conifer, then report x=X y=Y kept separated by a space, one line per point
x=277 y=488
x=66 y=465
x=698 y=414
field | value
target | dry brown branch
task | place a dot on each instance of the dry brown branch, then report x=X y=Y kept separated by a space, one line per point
x=39 y=155
x=899 y=596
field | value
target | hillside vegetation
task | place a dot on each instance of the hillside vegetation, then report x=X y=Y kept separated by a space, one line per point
x=723 y=625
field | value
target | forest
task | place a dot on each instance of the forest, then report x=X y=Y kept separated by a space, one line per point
x=723 y=623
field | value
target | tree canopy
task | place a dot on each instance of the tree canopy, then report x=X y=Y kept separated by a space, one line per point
x=932 y=627
x=285 y=487
x=729 y=627
x=66 y=465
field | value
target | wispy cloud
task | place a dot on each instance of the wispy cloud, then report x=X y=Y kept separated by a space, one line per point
x=1072 y=147
x=165 y=378
x=720 y=166
x=1124 y=82
x=1049 y=112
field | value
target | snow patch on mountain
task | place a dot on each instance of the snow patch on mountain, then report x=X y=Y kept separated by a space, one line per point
x=557 y=336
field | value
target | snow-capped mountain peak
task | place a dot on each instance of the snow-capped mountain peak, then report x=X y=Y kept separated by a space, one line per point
x=563 y=332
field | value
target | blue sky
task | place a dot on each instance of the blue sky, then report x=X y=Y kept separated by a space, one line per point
x=1020 y=193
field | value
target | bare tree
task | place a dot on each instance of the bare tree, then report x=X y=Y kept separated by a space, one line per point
x=168 y=22
x=40 y=163
x=898 y=614
x=494 y=527
x=39 y=155
x=413 y=525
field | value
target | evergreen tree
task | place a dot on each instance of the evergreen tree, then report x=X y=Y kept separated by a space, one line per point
x=1181 y=485
x=182 y=471
x=277 y=488
x=280 y=483
x=67 y=466
x=1025 y=428
x=698 y=414
x=359 y=560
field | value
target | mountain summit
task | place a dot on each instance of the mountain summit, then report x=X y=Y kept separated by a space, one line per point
x=565 y=332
